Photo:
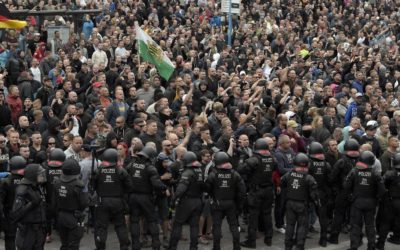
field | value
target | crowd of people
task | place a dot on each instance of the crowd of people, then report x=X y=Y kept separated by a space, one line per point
x=313 y=76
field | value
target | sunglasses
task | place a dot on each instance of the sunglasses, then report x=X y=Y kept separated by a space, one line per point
x=2 y=141
x=168 y=145
x=51 y=143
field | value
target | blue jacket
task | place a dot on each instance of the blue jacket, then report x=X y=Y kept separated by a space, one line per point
x=87 y=28
x=358 y=85
x=351 y=112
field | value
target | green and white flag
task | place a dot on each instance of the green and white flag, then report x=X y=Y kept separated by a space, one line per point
x=151 y=52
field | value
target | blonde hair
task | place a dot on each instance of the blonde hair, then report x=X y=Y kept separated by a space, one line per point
x=314 y=123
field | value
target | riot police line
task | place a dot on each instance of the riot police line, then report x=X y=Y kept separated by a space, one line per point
x=36 y=197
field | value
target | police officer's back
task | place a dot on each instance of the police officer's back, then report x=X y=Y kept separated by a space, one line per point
x=365 y=187
x=227 y=190
x=145 y=181
x=391 y=205
x=301 y=189
x=320 y=170
x=29 y=209
x=111 y=184
x=53 y=172
x=259 y=169
x=69 y=204
x=188 y=199
x=7 y=197
x=339 y=172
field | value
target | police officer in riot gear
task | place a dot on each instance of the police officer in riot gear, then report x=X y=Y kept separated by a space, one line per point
x=365 y=187
x=301 y=188
x=188 y=201
x=111 y=183
x=29 y=210
x=69 y=204
x=7 y=197
x=227 y=190
x=53 y=171
x=339 y=172
x=145 y=180
x=258 y=170
x=320 y=170
x=391 y=205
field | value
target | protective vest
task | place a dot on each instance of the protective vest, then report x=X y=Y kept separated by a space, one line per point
x=363 y=185
x=140 y=177
x=345 y=165
x=66 y=195
x=318 y=170
x=109 y=182
x=394 y=188
x=224 y=186
x=195 y=189
x=297 y=187
x=54 y=173
x=262 y=176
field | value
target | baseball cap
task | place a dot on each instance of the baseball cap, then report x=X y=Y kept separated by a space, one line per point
x=359 y=95
x=98 y=109
x=290 y=114
x=371 y=125
x=292 y=124
x=340 y=95
x=242 y=72
x=79 y=105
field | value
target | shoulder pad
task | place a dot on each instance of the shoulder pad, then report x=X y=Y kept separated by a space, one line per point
x=21 y=190
x=252 y=160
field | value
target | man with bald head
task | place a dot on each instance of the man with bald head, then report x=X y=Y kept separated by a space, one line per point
x=284 y=155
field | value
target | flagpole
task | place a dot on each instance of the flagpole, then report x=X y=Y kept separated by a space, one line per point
x=230 y=24
x=137 y=44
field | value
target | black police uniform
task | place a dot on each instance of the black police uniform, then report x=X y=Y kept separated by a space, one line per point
x=258 y=171
x=188 y=199
x=145 y=180
x=53 y=171
x=227 y=191
x=391 y=204
x=29 y=210
x=339 y=172
x=69 y=204
x=301 y=188
x=111 y=183
x=365 y=187
x=321 y=170
x=7 y=197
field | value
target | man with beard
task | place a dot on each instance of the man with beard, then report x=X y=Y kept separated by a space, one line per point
x=332 y=153
x=138 y=127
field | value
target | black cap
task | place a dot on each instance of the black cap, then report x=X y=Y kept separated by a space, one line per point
x=138 y=120
x=79 y=105
x=71 y=167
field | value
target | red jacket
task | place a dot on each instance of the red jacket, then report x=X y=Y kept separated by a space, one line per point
x=15 y=104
